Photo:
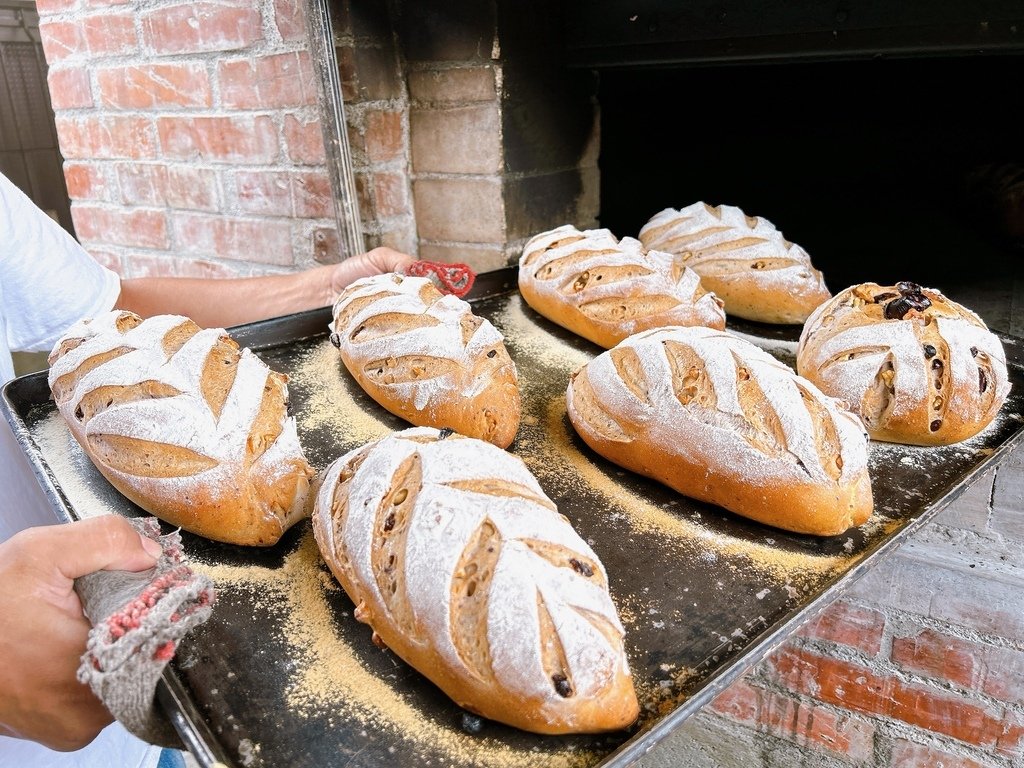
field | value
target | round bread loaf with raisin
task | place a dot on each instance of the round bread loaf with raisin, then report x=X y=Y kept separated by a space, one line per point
x=918 y=367
x=183 y=423
x=720 y=420
x=604 y=289
x=459 y=562
x=427 y=358
x=744 y=259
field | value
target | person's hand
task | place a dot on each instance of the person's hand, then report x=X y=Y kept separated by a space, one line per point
x=374 y=262
x=43 y=631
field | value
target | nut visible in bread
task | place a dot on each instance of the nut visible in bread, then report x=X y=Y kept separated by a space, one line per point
x=744 y=259
x=918 y=367
x=183 y=423
x=720 y=420
x=604 y=289
x=459 y=562
x=426 y=358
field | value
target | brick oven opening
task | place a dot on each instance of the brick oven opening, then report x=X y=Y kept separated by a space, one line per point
x=882 y=169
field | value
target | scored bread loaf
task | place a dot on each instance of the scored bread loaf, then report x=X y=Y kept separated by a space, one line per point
x=918 y=367
x=426 y=357
x=720 y=420
x=744 y=259
x=183 y=423
x=460 y=564
x=604 y=289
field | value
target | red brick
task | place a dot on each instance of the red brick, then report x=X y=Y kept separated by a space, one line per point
x=258 y=240
x=85 y=182
x=264 y=192
x=243 y=139
x=936 y=655
x=312 y=194
x=61 y=39
x=155 y=85
x=110 y=33
x=908 y=755
x=156 y=184
x=795 y=720
x=385 y=139
x=149 y=265
x=278 y=80
x=850 y=625
x=105 y=3
x=46 y=7
x=390 y=194
x=290 y=19
x=860 y=689
x=326 y=246
x=304 y=140
x=192 y=189
x=198 y=27
x=69 y=88
x=108 y=136
x=146 y=229
x=1003 y=674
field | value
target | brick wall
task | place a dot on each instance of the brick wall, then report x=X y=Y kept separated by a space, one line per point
x=190 y=134
x=920 y=664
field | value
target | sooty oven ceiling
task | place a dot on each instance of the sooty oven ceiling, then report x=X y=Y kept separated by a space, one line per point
x=897 y=157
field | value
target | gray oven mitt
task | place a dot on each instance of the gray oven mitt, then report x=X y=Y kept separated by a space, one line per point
x=138 y=619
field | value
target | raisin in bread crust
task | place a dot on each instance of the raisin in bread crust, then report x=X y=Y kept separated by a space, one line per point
x=744 y=259
x=461 y=565
x=720 y=420
x=924 y=375
x=604 y=289
x=425 y=357
x=183 y=423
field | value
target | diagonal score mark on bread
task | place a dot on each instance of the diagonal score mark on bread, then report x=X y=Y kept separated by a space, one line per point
x=471 y=592
x=184 y=424
x=391 y=529
x=604 y=289
x=425 y=357
x=459 y=562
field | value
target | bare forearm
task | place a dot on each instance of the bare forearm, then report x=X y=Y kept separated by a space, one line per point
x=219 y=303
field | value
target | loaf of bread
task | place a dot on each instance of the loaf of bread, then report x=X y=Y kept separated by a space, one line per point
x=427 y=358
x=459 y=562
x=720 y=420
x=604 y=289
x=183 y=423
x=918 y=367
x=744 y=259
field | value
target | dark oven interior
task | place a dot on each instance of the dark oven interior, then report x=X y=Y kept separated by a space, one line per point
x=883 y=169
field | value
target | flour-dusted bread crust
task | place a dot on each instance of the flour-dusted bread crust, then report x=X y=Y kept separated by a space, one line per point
x=744 y=259
x=720 y=420
x=604 y=289
x=460 y=563
x=427 y=358
x=183 y=423
x=918 y=367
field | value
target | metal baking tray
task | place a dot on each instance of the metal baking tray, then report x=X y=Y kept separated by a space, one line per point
x=282 y=674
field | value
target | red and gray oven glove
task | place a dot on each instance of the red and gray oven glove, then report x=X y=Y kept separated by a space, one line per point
x=138 y=620
x=454 y=278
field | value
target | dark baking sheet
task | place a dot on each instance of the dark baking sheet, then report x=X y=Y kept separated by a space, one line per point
x=282 y=674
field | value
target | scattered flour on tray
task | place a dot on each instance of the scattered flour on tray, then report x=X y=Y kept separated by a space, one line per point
x=331 y=684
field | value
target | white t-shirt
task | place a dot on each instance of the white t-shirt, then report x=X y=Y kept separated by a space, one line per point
x=47 y=283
